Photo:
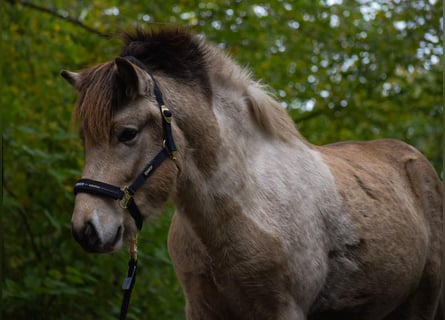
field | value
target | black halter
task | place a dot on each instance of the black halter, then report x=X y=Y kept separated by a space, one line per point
x=125 y=194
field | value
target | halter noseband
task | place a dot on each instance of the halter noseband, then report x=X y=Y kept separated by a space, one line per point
x=125 y=194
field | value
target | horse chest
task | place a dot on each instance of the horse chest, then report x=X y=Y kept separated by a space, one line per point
x=252 y=279
x=249 y=287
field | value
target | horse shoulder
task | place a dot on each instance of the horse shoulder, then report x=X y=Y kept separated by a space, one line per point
x=185 y=248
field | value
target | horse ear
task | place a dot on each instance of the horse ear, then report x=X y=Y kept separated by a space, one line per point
x=136 y=81
x=73 y=78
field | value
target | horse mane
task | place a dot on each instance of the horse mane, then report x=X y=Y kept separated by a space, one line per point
x=178 y=54
x=174 y=52
x=266 y=111
x=269 y=114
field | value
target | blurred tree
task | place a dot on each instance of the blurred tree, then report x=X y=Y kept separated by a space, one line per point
x=344 y=70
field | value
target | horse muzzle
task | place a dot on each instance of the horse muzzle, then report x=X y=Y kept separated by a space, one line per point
x=93 y=237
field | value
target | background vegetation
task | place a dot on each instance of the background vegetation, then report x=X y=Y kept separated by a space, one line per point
x=343 y=69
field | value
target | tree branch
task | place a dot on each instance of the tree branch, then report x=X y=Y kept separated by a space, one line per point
x=62 y=16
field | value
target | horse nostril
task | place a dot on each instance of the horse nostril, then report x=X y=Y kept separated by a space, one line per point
x=88 y=237
x=89 y=230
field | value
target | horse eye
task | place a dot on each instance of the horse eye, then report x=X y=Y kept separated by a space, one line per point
x=127 y=134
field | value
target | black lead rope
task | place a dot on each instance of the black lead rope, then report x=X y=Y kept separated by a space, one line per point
x=125 y=194
x=130 y=280
x=127 y=286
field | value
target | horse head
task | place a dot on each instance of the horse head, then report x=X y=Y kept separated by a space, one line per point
x=123 y=123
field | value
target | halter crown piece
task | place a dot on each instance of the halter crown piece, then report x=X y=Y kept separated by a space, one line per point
x=125 y=194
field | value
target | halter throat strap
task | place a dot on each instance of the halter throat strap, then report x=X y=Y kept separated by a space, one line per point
x=125 y=194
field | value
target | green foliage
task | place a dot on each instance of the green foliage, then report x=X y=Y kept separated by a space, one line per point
x=344 y=70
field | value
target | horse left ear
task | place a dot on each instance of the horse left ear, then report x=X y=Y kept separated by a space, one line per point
x=137 y=82
x=72 y=77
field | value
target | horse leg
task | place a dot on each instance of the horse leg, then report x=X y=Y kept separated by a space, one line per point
x=203 y=302
x=293 y=312
x=423 y=304
x=440 y=313
x=192 y=266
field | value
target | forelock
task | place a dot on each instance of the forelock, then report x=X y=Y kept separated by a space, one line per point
x=101 y=94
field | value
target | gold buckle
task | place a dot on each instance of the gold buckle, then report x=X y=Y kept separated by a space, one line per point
x=168 y=116
x=123 y=203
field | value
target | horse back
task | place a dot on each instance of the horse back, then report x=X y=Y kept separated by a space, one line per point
x=393 y=197
x=387 y=162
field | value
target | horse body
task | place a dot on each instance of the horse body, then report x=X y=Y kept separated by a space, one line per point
x=285 y=264
x=267 y=226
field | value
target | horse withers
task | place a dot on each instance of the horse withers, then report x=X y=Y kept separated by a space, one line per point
x=267 y=225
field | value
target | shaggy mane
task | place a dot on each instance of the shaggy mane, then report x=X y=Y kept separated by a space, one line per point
x=175 y=52
x=184 y=57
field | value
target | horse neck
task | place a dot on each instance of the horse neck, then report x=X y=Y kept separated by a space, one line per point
x=217 y=199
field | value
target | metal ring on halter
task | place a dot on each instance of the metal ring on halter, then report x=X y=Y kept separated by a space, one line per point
x=123 y=203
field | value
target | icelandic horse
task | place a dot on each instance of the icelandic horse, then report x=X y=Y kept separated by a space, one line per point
x=267 y=225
